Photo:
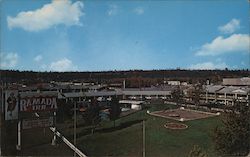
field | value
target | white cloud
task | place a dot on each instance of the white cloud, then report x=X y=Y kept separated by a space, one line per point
x=208 y=66
x=38 y=58
x=230 y=27
x=220 y=45
x=8 y=60
x=112 y=10
x=139 y=10
x=57 y=12
x=63 y=65
x=235 y=67
x=43 y=67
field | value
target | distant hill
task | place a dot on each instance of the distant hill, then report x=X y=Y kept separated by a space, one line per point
x=145 y=77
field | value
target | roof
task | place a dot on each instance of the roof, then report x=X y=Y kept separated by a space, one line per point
x=213 y=88
x=42 y=93
x=96 y=87
x=82 y=94
x=160 y=88
x=234 y=90
x=117 y=92
x=244 y=81
x=103 y=93
x=155 y=92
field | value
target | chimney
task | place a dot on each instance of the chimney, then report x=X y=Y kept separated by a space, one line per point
x=124 y=84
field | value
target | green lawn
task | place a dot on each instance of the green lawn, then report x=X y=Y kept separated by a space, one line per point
x=126 y=140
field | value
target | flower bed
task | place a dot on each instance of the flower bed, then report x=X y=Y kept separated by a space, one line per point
x=175 y=126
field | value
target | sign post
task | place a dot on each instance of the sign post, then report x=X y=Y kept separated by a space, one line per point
x=35 y=103
x=19 y=106
x=53 y=143
x=18 y=146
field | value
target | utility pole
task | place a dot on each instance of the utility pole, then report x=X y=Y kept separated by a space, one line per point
x=2 y=117
x=143 y=139
x=18 y=146
x=75 y=126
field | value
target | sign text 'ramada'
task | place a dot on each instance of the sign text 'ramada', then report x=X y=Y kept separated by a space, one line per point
x=30 y=104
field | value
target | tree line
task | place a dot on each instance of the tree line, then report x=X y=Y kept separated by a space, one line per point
x=134 y=78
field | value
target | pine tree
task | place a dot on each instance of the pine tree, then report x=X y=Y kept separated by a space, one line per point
x=177 y=95
x=234 y=137
x=115 y=110
x=198 y=90
x=92 y=114
x=197 y=152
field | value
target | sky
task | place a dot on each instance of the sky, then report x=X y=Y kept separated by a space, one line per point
x=102 y=35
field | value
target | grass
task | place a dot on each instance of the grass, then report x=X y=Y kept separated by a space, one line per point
x=126 y=139
x=164 y=142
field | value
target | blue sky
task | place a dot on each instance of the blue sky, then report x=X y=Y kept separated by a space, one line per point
x=64 y=35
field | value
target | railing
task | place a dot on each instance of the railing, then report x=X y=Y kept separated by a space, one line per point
x=76 y=150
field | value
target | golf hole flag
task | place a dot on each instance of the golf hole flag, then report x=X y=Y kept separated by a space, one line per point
x=11 y=105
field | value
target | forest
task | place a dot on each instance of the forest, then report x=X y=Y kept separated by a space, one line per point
x=132 y=77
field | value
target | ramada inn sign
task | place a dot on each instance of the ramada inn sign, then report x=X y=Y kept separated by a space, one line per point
x=31 y=104
x=16 y=102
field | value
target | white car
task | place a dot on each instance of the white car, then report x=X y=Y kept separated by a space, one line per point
x=148 y=97
x=163 y=98
x=100 y=98
x=132 y=97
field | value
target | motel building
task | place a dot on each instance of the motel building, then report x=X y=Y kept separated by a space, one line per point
x=231 y=89
x=226 y=94
x=147 y=93
x=130 y=98
x=125 y=94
